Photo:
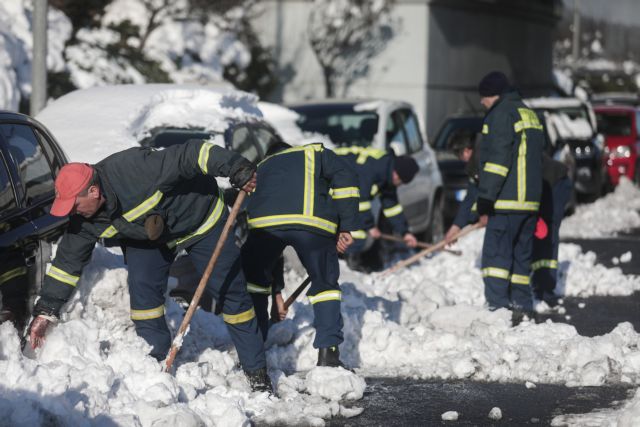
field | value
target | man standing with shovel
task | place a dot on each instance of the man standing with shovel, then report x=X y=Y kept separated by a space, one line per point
x=155 y=203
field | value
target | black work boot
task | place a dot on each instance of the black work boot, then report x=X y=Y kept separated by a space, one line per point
x=259 y=380
x=329 y=356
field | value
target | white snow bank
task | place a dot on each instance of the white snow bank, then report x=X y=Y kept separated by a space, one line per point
x=613 y=213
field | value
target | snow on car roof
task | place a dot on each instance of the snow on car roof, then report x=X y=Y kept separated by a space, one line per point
x=94 y=123
x=553 y=102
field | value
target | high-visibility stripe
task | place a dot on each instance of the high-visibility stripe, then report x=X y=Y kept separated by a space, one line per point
x=234 y=319
x=522 y=169
x=363 y=153
x=496 y=272
x=12 y=274
x=257 y=289
x=516 y=205
x=311 y=221
x=364 y=206
x=152 y=313
x=544 y=263
x=345 y=192
x=63 y=276
x=359 y=234
x=522 y=125
x=314 y=147
x=203 y=157
x=207 y=225
x=485 y=129
x=393 y=211
x=374 y=189
x=496 y=168
x=309 y=182
x=110 y=231
x=325 y=296
x=519 y=279
x=143 y=207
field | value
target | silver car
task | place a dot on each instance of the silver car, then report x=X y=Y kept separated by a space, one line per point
x=390 y=126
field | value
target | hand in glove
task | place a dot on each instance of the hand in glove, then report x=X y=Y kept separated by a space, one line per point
x=242 y=174
x=484 y=206
x=38 y=329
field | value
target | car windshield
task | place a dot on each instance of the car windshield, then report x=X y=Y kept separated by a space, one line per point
x=614 y=124
x=341 y=124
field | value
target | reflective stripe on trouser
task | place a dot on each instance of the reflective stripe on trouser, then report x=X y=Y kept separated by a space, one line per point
x=318 y=256
x=545 y=251
x=506 y=260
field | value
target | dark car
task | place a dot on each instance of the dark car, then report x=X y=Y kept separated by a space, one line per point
x=454 y=175
x=30 y=158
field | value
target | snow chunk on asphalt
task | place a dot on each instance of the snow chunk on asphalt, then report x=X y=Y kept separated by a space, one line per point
x=335 y=383
x=495 y=414
x=450 y=416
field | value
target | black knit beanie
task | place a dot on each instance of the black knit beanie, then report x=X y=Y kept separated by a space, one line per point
x=494 y=83
x=406 y=167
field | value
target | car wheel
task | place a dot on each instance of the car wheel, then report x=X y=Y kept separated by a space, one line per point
x=435 y=233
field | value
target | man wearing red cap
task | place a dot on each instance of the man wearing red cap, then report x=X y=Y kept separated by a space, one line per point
x=155 y=203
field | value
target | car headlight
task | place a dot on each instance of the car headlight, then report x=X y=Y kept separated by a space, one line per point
x=620 y=152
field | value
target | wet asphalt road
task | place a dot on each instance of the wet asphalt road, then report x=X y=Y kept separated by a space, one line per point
x=407 y=402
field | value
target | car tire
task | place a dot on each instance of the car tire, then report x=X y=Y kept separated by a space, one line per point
x=435 y=233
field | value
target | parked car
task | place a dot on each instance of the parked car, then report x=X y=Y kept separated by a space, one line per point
x=30 y=158
x=468 y=128
x=390 y=126
x=619 y=125
x=572 y=122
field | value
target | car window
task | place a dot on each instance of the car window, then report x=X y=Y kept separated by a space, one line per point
x=343 y=125
x=243 y=142
x=412 y=130
x=396 y=139
x=7 y=198
x=638 y=122
x=614 y=124
x=166 y=137
x=266 y=139
x=54 y=161
x=30 y=159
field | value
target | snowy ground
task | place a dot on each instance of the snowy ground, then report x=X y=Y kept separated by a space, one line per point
x=425 y=322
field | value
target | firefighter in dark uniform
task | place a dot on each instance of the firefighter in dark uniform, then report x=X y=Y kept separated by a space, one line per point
x=379 y=175
x=307 y=198
x=156 y=203
x=14 y=287
x=556 y=192
x=467 y=151
x=509 y=191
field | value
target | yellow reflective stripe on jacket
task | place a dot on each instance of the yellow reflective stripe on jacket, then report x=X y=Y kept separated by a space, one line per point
x=516 y=205
x=499 y=273
x=152 y=313
x=135 y=213
x=364 y=206
x=203 y=157
x=529 y=120
x=522 y=169
x=207 y=225
x=374 y=189
x=359 y=234
x=496 y=168
x=143 y=207
x=363 y=153
x=309 y=181
x=308 y=220
x=393 y=211
x=234 y=319
x=519 y=279
x=544 y=263
x=325 y=296
x=110 y=231
x=12 y=274
x=522 y=125
x=314 y=147
x=63 y=276
x=345 y=192
x=257 y=289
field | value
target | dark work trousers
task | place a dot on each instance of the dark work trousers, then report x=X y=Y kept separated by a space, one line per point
x=318 y=256
x=148 y=274
x=506 y=260
x=14 y=284
x=545 y=251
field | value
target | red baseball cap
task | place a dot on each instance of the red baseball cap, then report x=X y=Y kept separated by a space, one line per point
x=71 y=181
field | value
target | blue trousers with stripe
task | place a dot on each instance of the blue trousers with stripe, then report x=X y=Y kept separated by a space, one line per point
x=319 y=257
x=148 y=274
x=506 y=260
x=545 y=251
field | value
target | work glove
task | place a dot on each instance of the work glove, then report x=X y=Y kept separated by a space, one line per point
x=38 y=328
x=484 y=206
x=241 y=172
x=154 y=226
x=541 y=229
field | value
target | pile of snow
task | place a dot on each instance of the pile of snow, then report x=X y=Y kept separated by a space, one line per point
x=616 y=212
x=427 y=321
